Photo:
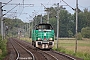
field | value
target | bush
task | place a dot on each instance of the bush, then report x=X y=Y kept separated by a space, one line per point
x=85 y=32
x=78 y=36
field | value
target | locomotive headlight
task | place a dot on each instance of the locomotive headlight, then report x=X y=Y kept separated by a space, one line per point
x=50 y=38
x=39 y=39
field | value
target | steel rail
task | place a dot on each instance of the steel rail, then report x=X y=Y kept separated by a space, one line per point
x=64 y=55
x=51 y=55
x=18 y=55
x=33 y=57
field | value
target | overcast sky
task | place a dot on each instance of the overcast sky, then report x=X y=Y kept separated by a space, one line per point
x=38 y=8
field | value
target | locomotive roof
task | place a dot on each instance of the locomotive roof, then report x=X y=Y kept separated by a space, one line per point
x=47 y=24
x=44 y=24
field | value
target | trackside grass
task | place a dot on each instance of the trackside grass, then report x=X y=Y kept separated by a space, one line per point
x=3 y=50
x=68 y=46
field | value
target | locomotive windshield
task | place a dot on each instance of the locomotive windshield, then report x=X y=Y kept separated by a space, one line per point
x=44 y=26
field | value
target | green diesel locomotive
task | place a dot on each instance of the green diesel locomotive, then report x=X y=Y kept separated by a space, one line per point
x=43 y=36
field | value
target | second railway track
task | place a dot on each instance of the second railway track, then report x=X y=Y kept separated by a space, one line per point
x=21 y=52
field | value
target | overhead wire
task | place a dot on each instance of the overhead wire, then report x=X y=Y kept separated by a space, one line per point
x=11 y=9
x=68 y=4
x=7 y=3
x=22 y=9
x=23 y=3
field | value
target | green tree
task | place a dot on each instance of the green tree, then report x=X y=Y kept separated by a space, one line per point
x=13 y=25
x=87 y=17
x=65 y=23
x=53 y=22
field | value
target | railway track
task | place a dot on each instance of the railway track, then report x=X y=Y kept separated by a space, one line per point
x=43 y=53
x=61 y=56
x=48 y=56
x=49 y=53
x=21 y=52
x=12 y=53
x=52 y=55
x=26 y=49
x=65 y=55
x=17 y=53
x=54 y=58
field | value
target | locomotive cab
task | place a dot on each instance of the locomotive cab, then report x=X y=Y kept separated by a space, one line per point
x=43 y=36
x=43 y=27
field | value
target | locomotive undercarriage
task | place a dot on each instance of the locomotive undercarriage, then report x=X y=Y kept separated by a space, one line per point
x=43 y=44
